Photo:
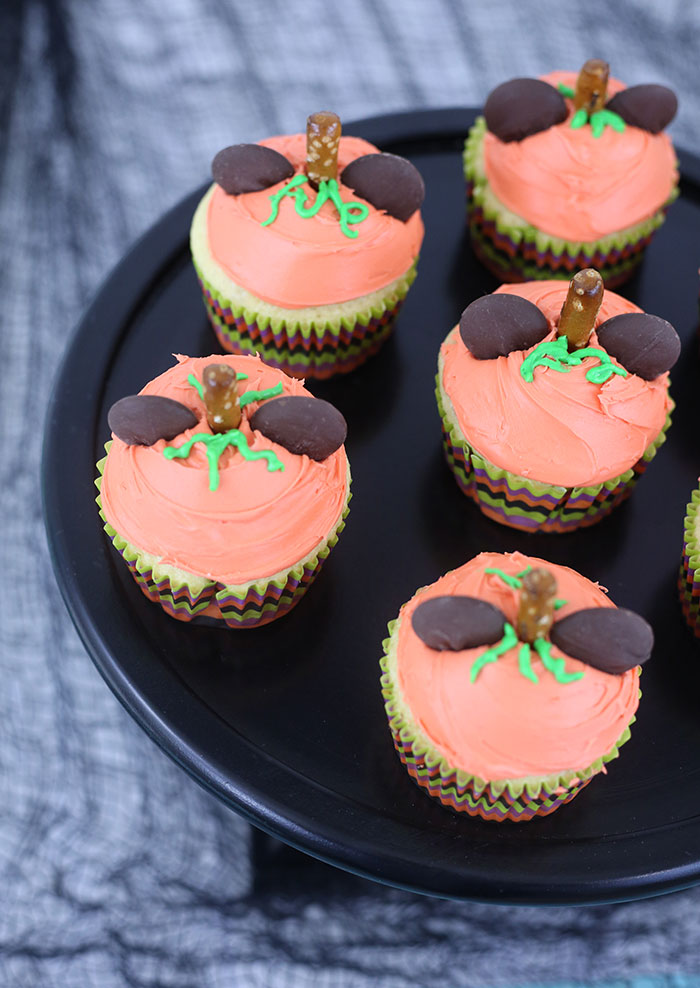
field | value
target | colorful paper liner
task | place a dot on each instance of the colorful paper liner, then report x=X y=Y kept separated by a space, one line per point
x=523 y=253
x=526 y=504
x=247 y=606
x=505 y=799
x=316 y=352
x=689 y=575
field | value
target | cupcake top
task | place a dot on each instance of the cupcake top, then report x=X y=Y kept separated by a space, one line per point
x=493 y=711
x=270 y=240
x=566 y=424
x=242 y=508
x=579 y=179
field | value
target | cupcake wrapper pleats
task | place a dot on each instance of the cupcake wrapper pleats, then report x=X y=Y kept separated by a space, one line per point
x=249 y=605
x=689 y=575
x=516 y=251
x=526 y=504
x=486 y=804
x=505 y=799
x=304 y=351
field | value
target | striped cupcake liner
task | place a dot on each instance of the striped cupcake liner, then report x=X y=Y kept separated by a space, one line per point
x=464 y=798
x=526 y=504
x=517 y=800
x=689 y=574
x=304 y=351
x=516 y=251
x=525 y=261
x=185 y=596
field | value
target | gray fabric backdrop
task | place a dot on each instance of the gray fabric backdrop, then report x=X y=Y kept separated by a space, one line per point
x=115 y=868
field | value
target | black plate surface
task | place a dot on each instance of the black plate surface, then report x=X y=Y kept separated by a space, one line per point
x=286 y=723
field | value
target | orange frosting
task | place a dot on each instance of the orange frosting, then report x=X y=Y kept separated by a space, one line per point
x=503 y=726
x=560 y=428
x=255 y=524
x=579 y=187
x=296 y=262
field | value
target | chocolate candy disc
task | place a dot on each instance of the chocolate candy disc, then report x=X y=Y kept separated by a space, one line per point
x=249 y=168
x=649 y=107
x=453 y=623
x=387 y=181
x=608 y=638
x=306 y=426
x=141 y=420
x=496 y=325
x=522 y=107
x=645 y=345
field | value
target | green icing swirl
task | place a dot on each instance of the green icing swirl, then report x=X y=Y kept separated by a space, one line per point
x=515 y=582
x=349 y=213
x=525 y=664
x=510 y=581
x=215 y=446
x=557 y=667
x=248 y=396
x=509 y=640
x=555 y=355
x=192 y=380
x=598 y=120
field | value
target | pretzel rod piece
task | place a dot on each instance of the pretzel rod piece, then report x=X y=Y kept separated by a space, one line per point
x=592 y=86
x=580 y=308
x=221 y=397
x=536 y=610
x=322 y=141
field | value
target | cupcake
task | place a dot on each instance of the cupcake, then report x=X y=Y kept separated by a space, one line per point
x=224 y=488
x=305 y=247
x=554 y=403
x=509 y=683
x=569 y=171
x=689 y=576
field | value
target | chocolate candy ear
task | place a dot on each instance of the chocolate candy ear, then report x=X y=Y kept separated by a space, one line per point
x=306 y=426
x=387 y=181
x=523 y=107
x=457 y=622
x=496 y=325
x=645 y=345
x=649 y=107
x=141 y=420
x=608 y=638
x=249 y=168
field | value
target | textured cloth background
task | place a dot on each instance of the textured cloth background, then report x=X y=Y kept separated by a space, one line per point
x=115 y=868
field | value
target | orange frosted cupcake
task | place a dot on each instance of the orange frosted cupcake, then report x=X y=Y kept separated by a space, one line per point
x=569 y=171
x=510 y=683
x=544 y=429
x=306 y=246
x=224 y=488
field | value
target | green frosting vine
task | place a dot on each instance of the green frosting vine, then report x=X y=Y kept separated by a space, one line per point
x=218 y=442
x=515 y=582
x=555 y=354
x=349 y=213
x=509 y=640
x=192 y=380
x=247 y=396
x=557 y=667
x=598 y=120
x=215 y=446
